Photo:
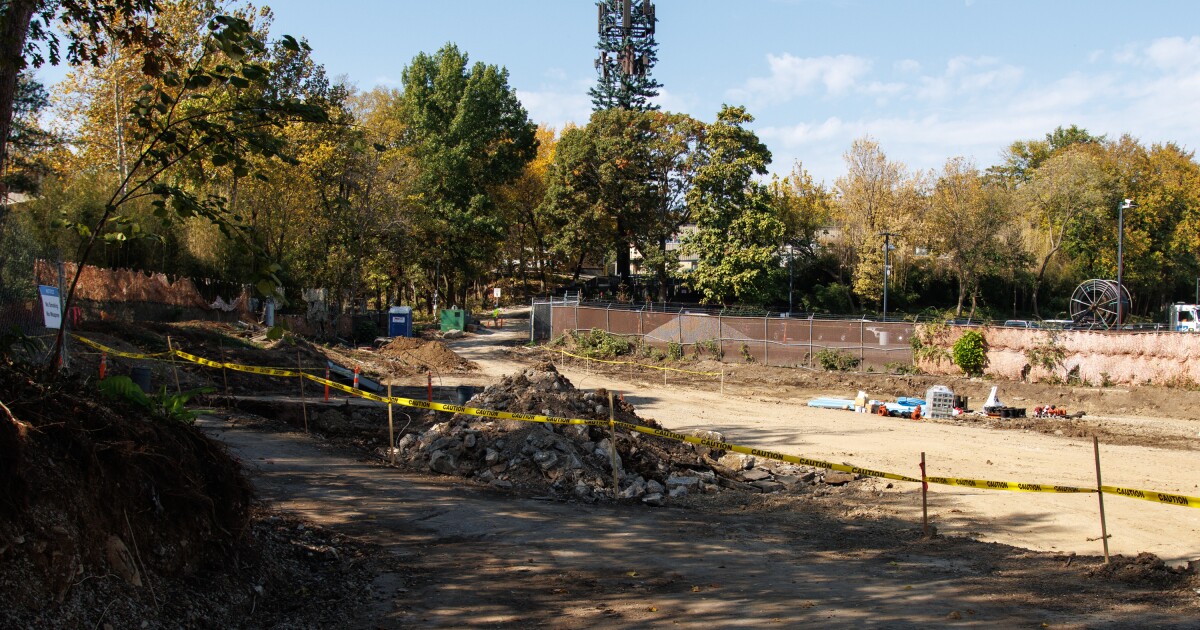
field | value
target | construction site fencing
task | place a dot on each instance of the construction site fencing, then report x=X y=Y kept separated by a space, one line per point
x=776 y=341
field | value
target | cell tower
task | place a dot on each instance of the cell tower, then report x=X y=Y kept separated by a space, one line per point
x=628 y=53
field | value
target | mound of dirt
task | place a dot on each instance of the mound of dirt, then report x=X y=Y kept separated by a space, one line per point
x=577 y=461
x=1145 y=569
x=425 y=355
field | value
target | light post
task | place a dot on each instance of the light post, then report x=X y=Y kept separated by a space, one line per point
x=1126 y=205
x=792 y=275
x=887 y=266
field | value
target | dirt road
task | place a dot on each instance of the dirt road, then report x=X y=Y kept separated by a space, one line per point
x=459 y=555
x=758 y=416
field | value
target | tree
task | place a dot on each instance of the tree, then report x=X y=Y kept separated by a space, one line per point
x=964 y=222
x=738 y=233
x=1058 y=193
x=874 y=196
x=209 y=113
x=469 y=135
x=1023 y=157
x=90 y=27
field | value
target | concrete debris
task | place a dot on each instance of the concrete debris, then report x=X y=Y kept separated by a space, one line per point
x=575 y=462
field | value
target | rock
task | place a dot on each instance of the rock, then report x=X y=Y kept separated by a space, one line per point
x=653 y=487
x=809 y=476
x=767 y=487
x=121 y=560
x=406 y=441
x=788 y=481
x=654 y=499
x=545 y=460
x=754 y=474
x=469 y=440
x=634 y=490
x=491 y=456
x=443 y=462
x=501 y=483
x=706 y=476
x=448 y=444
x=583 y=491
x=838 y=478
x=453 y=333
x=677 y=492
x=685 y=481
x=600 y=410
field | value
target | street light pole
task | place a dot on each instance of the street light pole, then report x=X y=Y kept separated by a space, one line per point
x=887 y=266
x=792 y=274
x=1126 y=205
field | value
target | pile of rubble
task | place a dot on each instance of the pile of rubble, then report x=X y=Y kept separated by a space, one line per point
x=577 y=461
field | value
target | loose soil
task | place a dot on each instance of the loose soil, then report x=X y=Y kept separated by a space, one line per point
x=344 y=540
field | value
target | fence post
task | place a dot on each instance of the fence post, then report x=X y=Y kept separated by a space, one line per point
x=766 y=347
x=810 y=340
x=174 y=368
x=608 y=318
x=924 y=499
x=391 y=431
x=862 y=347
x=720 y=339
x=303 y=397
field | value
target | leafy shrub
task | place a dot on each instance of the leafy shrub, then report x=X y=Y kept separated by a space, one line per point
x=970 y=353
x=1048 y=355
x=674 y=350
x=746 y=356
x=899 y=367
x=599 y=344
x=364 y=330
x=164 y=405
x=834 y=360
x=929 y=342
x=710 y=346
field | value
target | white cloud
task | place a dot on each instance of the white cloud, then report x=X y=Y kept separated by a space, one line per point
x=797 y=76
x=1174 y=53
x=385 y=81
x=907 y=66
x=556 y=108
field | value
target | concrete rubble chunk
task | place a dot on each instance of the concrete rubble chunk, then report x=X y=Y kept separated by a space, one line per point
x=754 y=474
x=654 y=499
x=838 y=478
x=443 y=462
x=653 y=487
x=688 y=481
x=545 y=460
x=768 y=486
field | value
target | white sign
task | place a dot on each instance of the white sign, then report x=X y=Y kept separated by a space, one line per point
x=496 y=293
x=51 y=307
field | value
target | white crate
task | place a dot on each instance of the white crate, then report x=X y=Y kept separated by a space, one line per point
x=939 y=402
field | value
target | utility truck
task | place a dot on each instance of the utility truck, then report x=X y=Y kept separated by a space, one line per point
x=1185 y=317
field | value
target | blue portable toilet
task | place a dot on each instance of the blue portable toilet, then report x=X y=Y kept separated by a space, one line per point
x=400 y=321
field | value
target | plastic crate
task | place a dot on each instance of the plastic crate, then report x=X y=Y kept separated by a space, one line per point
x=939 y=401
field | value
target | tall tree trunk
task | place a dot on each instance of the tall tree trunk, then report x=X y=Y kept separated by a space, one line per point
x=13 y=28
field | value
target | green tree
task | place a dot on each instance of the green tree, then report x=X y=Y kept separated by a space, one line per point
x=211 y=113
x=468 y=134
x=964 y=223
x=1070 y=184
x=738 y=232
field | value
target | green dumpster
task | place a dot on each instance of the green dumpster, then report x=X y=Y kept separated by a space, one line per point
x=453 y=319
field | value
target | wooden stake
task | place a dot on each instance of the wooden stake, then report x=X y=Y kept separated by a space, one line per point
x=303 y=398
x=391 y=430
x=1100 y=495
x=924 y=499
x=612 y=429
x=428 y=386
x=225 y=373
x=174 y=367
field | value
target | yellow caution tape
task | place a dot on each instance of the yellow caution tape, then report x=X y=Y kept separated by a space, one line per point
x=983 y=484
x=1157 y=497
x=1013 y=486
x=652 y=367
x=119 y=353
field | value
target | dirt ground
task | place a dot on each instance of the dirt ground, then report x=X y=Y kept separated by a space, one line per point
x=423 y=550
x=1148 y=436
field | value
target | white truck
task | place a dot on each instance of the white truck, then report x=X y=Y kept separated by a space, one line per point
x=1185 y=317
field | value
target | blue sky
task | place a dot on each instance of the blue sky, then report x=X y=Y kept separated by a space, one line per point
x=927 y=79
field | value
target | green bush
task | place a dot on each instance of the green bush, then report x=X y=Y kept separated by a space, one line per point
x=364 y=331
x=710 y=346
x=970 y=353
x=599 y=344
x=834 y=360
x=900 y=367
x=674 y=350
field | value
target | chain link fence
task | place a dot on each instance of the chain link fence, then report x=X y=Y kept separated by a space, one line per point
x=778 y=341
